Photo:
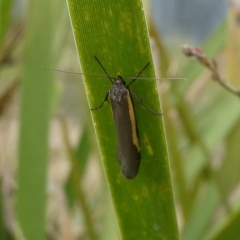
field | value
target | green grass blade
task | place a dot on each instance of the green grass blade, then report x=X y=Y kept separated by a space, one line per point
x=75 y=176
x=228 y=228
x=37 y=89
x=116 y=33
x=202 y=212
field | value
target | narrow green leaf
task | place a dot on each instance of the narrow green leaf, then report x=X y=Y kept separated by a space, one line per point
x=203 y=209
x=116 y=33
x=37 y=89
x=228 y=228
x=75 y=176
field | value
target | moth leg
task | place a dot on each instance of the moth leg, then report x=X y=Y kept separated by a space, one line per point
x=105 y=100
x=139 y=101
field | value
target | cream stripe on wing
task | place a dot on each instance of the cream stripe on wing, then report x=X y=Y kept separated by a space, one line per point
x=133 y=122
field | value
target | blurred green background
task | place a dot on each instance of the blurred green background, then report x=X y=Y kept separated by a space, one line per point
x=45 y=117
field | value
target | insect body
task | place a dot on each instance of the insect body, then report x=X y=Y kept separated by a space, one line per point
x=120 y=96
x=125 y=123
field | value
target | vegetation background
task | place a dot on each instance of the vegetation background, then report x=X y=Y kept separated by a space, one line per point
x=47 y=140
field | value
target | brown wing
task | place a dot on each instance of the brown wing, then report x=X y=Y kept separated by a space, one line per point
x=128 y=144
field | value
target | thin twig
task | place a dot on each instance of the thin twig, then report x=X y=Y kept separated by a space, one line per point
x=211 y=64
